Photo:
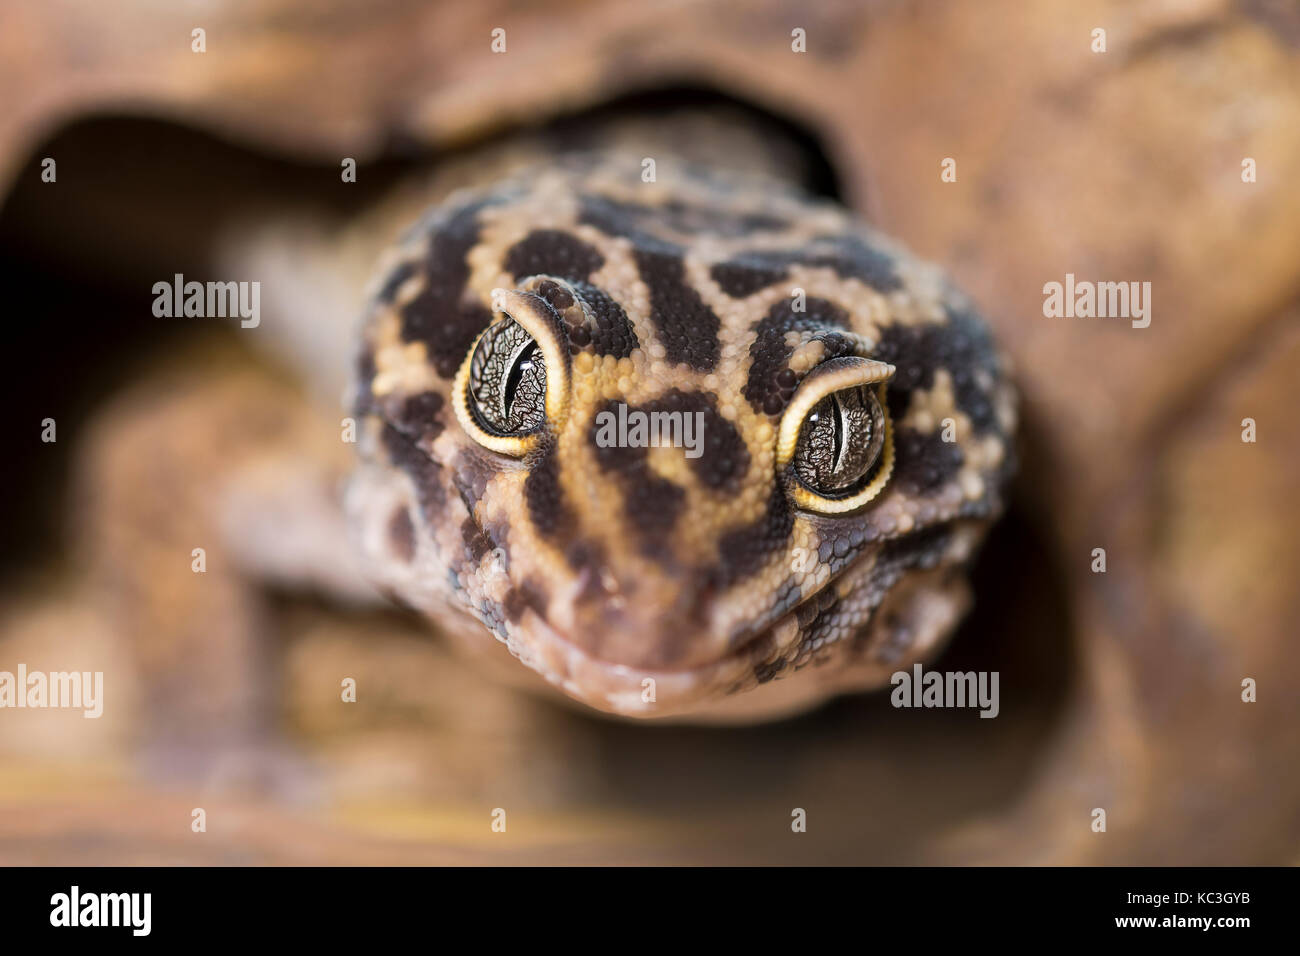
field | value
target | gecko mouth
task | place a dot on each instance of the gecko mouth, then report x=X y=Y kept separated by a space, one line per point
x=647 y=692
x=604 y=683
x=852 y=651
x=752 y=658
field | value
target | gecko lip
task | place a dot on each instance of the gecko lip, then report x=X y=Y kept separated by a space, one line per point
x=637 y=691
x=622 y=690
x=921 y=611
x=606 y=683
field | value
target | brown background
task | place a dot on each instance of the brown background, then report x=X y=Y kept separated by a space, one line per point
x=1120 y=690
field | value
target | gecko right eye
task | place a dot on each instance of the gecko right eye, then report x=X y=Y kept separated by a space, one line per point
x=513 y=387
x=507 y=380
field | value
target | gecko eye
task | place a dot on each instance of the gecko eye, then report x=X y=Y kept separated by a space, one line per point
x=514 y=385
x=507 y=380
x=841 y=440
x=835 y=436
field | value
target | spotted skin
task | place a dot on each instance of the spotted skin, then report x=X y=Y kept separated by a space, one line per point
x=638 y=580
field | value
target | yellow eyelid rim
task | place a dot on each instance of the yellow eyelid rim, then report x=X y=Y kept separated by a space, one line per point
x=838 y=374
x=537 y=320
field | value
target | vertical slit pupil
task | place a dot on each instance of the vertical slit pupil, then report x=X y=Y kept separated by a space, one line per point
x=838 y=426
x=522 y=364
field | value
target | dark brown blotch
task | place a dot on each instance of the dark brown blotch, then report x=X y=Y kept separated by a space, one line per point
x=425 y=473
x=363 y=400
x=621 y=218
x=744 y=551
x=687 y=327
x=441 y=315
x=395 y=280
x=401 y=534
x=523 y=597
x=610 y=331
x=552 y=252
x=771 y=382
x=849 y=257
x=420 y=416
x=544 y=497
x=962 y=346
x=924 y=463
x=477 y=541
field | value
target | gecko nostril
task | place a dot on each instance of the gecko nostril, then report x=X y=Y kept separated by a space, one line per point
x=401 y=534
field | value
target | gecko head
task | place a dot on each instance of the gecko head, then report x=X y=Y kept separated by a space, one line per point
x=655 y=531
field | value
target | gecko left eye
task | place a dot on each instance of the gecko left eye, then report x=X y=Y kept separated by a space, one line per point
x=835 y=437
x=841 y=439
x=507 y=380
